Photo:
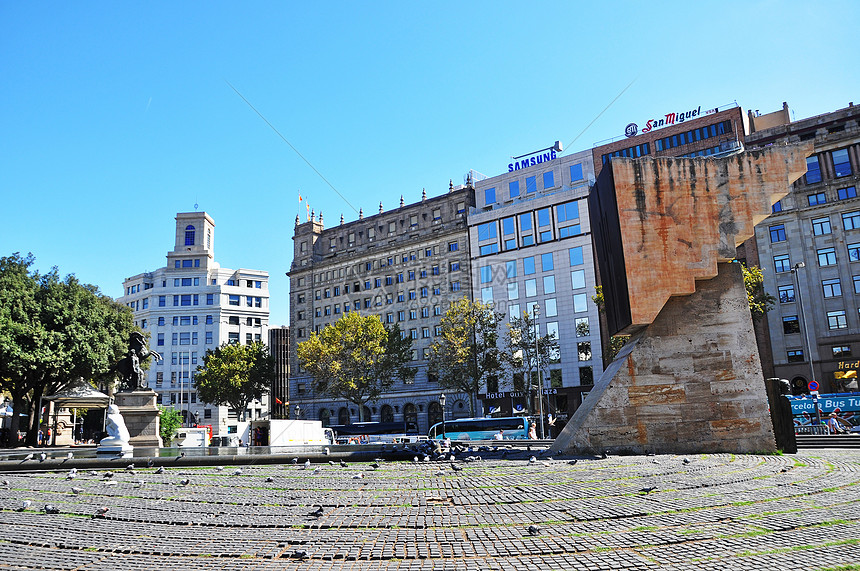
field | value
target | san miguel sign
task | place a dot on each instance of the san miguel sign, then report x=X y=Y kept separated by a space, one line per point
x=632 y=129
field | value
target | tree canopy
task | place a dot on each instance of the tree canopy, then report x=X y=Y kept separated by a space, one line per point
x=52 y=332
x=528 y=353
x=356 y=359
x=234 y=375
x=760 y=301
x=467 y=352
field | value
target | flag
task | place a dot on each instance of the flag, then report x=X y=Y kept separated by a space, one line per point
x=279 y=401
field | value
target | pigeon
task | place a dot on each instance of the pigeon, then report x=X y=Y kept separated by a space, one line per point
x=573 y=462
x=5 y=483
x=343 y=464
x=110 y=482
x=24 y=505
x=149 y=463
x=330 y=463
x=786 y=469
x=415 y=459
x=51 y=509
x=160 y=470
x=129 y=468
x=28 y=457
x=237 y=472
x=326 y=451
x=185 y=481
x=648 y=489
x=604 y=455
x=299 y=554
x=358 y=476
x=295 y=460
x=42 y=457
x=532 y=460
x=269 y=480
x=686 y=460
x=307 y=463
x=375 y=465
x=69 y=456
x=93 y=473
x=219 y=468
x=317 y=470
x=72 y=473
x=77 y=491
x=439 y=473
x=107 y=475
x=317 y=513
x=534 y=530
x=456 y=468
x=100 y=512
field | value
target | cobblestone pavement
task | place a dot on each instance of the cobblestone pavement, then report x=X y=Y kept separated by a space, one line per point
x=707 y=512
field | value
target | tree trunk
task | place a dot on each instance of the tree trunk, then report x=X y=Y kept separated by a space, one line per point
x=33 y=429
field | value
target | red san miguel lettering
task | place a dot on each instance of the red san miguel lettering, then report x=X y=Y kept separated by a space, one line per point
x=672 y=118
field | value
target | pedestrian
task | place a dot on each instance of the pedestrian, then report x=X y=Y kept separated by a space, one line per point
x=833 y=424
x=500 y=435
x=532 y=432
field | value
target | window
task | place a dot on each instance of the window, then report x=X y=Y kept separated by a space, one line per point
x=412 y=294
x=455 y=286
x=433 y=270
x=777 y=233
x=575 y=172
x=832 y=288
x=567 y=212
x=586 y=376
x=210 y=299
x=526 y=222
x=851 y=220
x=454 y=246
x=531 y=184
x=490 y=196
x=233 y=300
x=790 y=324
x=514 y=189
x=827 y=256
x=531 y=288
x=437 y=215
x=841 y=164
x=485 y=232
x=234 y=337
x=577 y=279
x=161 y=339
x=162 y=300
x=551 y=307
x=816 y=198
x=813 y=170
x=548 y=180
x=781 y=263
x=581 y=327
x=511 y=269
x=413 y=333
x=548 y=284
x=777 y=207
x=841 y=351
x=413 y=220
x=161 y=321
x=486 y=274
x=575 y=256
x=543 y=217
x=786 y=293
x=425 y=291
x=820 y=226
x=528 y=265
x=189 y=235
x=513 y=291
x=453 y=267
x=487 y=294
x=209 y=338
x=795 y=355
x=837 y=319
x=583 y=350
x=845 y=193
x=546 y=262
x=580 y=302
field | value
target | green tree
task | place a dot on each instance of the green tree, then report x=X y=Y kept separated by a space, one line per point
x=233 y=375
x=356 y=359
x=467 y=352
x=168 y=423
x=53 y=331
x=528 y=353
x=760 y=301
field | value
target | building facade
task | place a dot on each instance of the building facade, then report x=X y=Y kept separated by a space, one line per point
x=530 y=251
x=405 y=266
x=190 y=306
x=809 y=251
x=279 y=393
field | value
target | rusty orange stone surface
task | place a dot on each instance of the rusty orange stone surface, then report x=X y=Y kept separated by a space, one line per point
x=680 y=216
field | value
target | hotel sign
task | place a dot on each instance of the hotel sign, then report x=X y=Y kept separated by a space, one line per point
x=668 y=119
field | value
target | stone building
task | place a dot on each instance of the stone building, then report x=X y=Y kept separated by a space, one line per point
x=530 y=249
x=191 y=305
x=405 y=266
x=809 y=251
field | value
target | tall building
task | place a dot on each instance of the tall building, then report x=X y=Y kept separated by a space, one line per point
x=192 y=305
x=530 y=250
x=405 y=266
x=809 y=251
x=279 y=393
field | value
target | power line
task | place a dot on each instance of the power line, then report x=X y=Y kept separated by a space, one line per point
x=601 y=113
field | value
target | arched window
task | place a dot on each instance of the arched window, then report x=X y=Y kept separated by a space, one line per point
x=343 y=415
x=325 y=417
x=434 y=413
x=410 y=417
x=365 y=414
x=386 y=413
x=189 y=235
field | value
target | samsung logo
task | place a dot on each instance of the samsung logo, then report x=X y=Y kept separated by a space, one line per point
x=532 y=161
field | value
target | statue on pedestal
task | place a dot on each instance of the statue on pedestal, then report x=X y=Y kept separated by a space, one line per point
x=132 y=376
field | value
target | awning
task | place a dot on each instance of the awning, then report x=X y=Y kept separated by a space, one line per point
x=79 y=395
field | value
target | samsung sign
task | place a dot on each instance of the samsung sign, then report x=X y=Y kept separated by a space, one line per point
x=669 y=119
x=536 y=158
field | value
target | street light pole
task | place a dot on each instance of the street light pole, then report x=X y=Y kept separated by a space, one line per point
x=442 y=403
x=537 y=368
x=794 y=269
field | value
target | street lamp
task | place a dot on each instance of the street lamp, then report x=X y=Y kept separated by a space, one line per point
x=442 y=403
x=537 y=368
x=794 y=269
x=298 y=412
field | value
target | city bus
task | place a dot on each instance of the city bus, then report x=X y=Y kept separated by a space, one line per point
x=377 y=432
x=514 y=428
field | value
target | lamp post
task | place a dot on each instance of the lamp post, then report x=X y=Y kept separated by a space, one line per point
x=537 y=368
x=794 y=269
x=442 y=403
x=298 y=412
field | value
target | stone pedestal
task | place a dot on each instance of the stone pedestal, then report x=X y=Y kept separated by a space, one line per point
x=141 y=414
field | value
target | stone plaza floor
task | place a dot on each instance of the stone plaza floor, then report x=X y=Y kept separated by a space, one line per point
x=705 y=512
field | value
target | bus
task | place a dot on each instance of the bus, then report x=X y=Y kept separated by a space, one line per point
x=514 y=428
x=377 y=432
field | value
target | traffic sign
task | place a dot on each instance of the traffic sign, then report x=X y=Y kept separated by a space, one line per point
x=813 y=385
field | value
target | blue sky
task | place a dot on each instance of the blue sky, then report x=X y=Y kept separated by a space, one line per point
x=114 y=116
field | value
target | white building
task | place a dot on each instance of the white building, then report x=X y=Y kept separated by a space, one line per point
x=191 y=305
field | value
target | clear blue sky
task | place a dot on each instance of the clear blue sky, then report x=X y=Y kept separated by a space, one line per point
x=114 y=116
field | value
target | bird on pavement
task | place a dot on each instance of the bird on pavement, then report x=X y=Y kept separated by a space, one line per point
x=648 y=489
x=295 y=460
x=533 y=530
x=572 y=462
x=24 y=505
x=28 y=457
x=5 y=483
x=317 y=513
x=237 y=472
x=317 y=470
x=604 y=455
x=686 y=460
x=72 y=473
x=307 y=464
x=299 y=554
x=107 y=475
x=42 y=457
x=270 y=479
x=100 y=513
x=358 y=476
x=51 y=509
x=185 y=481
x=160 y=470
x=219 y=468
x=326 y=451
x=77 y=491
x=69 y=456
x=330 y=463
x=532 y=460
x=343 y=464
x=129 y=468
x=375 y=465
x=149 y=463
x=456 y=468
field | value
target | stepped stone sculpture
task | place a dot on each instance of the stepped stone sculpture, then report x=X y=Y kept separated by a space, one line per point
x=665 y=232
